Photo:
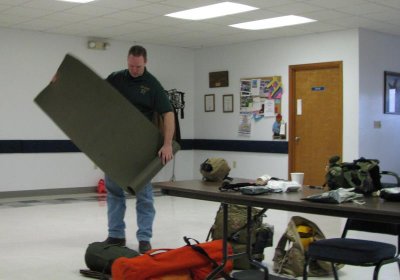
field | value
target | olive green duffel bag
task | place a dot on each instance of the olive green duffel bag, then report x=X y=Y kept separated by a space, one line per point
x=99 y=256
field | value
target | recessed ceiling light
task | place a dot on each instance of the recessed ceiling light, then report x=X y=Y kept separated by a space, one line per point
x=273 y=22
x=212 y=11
x=77 y=1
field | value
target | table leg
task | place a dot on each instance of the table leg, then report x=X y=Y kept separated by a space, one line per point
x=250 y=225
x=218 y=269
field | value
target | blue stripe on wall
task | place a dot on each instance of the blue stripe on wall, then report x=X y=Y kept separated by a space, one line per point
x=280 y=147
x=37 y=146
x=66 y=146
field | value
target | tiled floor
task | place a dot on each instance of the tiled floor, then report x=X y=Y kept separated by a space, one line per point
x=46 y=237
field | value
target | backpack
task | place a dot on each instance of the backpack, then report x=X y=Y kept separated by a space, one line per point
x=362 y=174
x=214 y=169
x=196 y=260
x=100 y=256
x=289 y=255
x=261 y=234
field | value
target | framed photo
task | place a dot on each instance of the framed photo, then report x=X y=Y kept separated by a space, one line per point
x=392 y=93
x=218 y=79
x=227 y=103
x=209 y=102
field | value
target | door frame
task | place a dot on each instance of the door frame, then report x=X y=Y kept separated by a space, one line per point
x=292 y=103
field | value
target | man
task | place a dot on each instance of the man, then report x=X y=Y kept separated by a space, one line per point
x=145 y=92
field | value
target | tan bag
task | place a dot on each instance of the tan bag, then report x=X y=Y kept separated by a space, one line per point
x=214 y=169
x=289 y=254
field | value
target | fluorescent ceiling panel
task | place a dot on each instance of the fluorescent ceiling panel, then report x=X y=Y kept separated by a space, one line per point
x=273 y=22
x=77 y=1
x=212 y=11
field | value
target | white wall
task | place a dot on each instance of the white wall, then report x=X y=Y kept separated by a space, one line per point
x=28 y=60
x=269 y=58
x=378 y=53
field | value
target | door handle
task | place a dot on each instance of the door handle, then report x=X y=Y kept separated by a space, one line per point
x=297 y=138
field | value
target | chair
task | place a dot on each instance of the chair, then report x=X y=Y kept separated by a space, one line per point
x=393 y=176
x=357 y=252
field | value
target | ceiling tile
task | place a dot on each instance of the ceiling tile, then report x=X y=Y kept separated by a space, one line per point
x=388 y=3
x=336 y=3
x=129 y=15
x=363 y=9
x=39 y=24
x=14 y=2
x=294 y=9
x=66 y=17
x=157 y=9
x=120 y=4
x=25 y=12
x=91 y=10
x=50 y=5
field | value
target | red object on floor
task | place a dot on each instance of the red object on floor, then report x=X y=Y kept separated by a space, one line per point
x=101 y=186
x=158 y=263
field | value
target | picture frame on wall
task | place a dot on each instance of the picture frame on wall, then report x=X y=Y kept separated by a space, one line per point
x=209 y=102
x=391 y=93
x=218 y=79
x=227 y=103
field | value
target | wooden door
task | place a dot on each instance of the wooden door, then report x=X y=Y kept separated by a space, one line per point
x=315 y=118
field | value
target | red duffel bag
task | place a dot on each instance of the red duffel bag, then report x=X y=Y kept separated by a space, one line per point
x=198 y=260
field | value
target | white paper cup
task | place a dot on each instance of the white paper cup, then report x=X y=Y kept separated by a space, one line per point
x=297 y=177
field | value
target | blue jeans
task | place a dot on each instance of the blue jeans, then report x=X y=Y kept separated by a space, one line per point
x=116 y=204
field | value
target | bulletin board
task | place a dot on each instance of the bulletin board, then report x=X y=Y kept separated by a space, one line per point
x=254 y=92
x=260 y=97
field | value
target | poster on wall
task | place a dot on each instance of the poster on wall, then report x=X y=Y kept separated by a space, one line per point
x=245 y=124
x=261 y=93
x=246 y=103
x=269 y=108
x=245 y=87
x=260 y=97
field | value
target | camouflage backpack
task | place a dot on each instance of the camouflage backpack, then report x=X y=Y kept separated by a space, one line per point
x=214 y=169
x=362 y=174
x=261 y=234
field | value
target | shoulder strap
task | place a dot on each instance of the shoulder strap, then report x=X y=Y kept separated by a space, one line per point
x=201 y=251
x=227 y=186
x=177 y=126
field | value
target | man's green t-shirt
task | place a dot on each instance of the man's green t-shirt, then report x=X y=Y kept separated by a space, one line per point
x=144 y=92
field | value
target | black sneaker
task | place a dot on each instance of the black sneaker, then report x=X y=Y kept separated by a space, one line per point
x=144 y=246
x=115 y=241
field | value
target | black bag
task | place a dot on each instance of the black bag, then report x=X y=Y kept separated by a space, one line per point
x=99 y=256
x=390 y=194
x=362 y=174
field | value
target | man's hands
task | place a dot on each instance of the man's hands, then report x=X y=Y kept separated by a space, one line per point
x=55 y=77
x=165 y=153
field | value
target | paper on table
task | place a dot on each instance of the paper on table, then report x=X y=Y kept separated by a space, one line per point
x=103 y=124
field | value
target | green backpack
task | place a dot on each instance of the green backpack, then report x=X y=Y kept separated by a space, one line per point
x=362 y=174
x=214 y=169
x=261 y=234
